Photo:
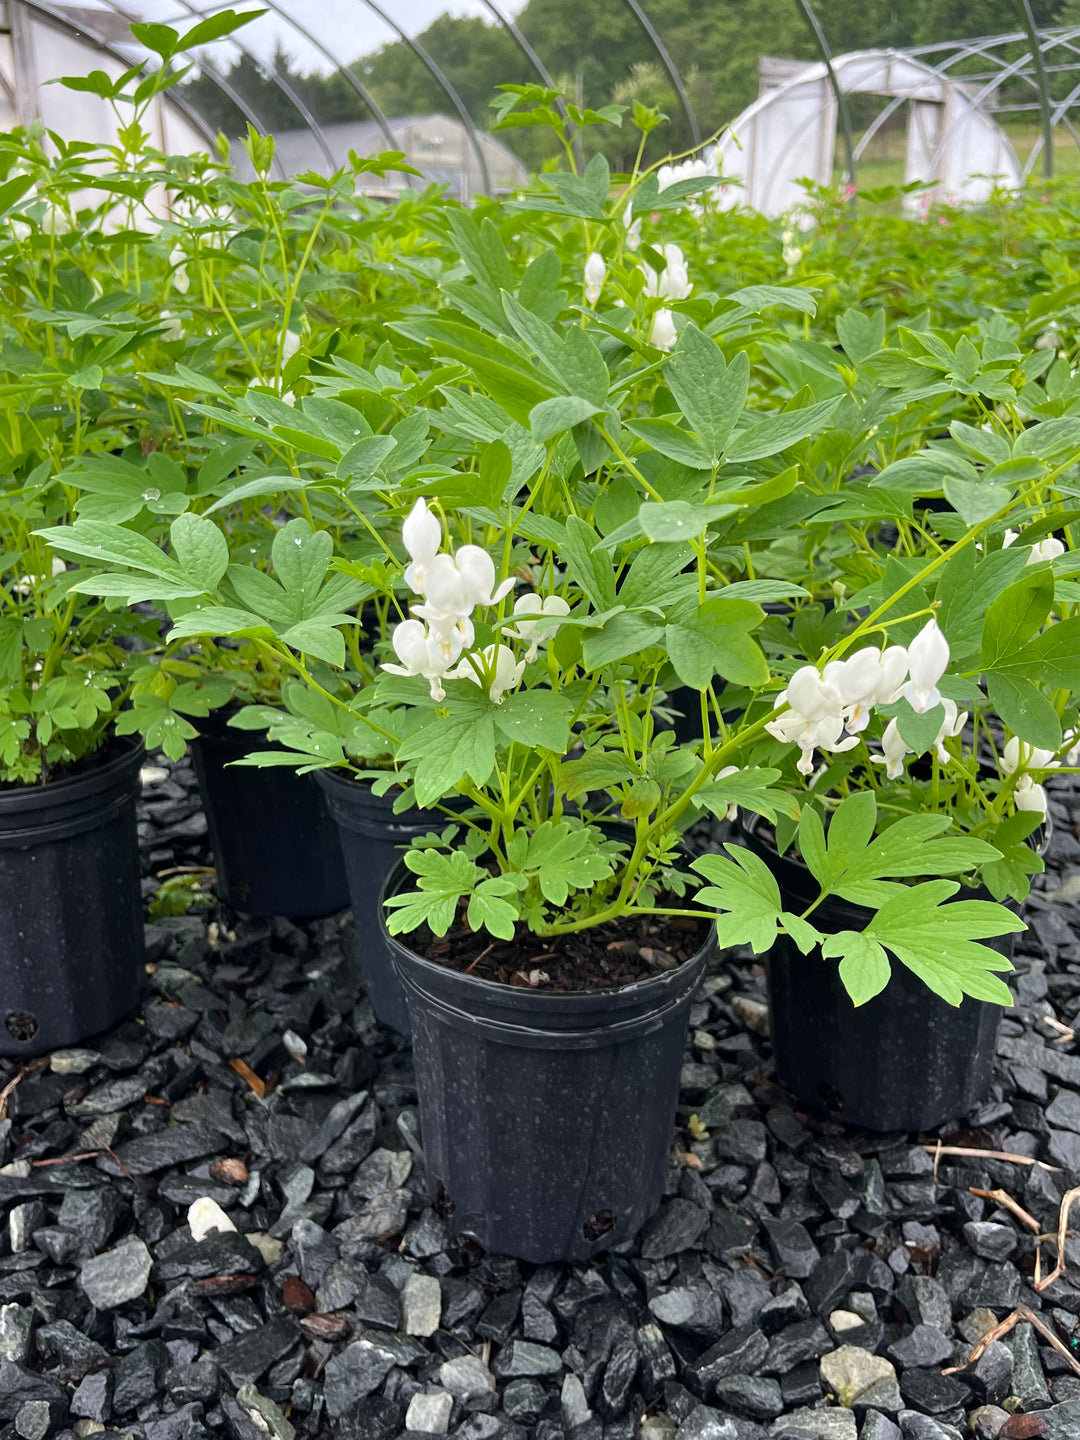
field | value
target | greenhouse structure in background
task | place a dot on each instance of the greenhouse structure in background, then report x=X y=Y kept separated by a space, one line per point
x=358 y=75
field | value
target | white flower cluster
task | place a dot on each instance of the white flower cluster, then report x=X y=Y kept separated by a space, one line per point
x=1048 y=549
x=827 y=710
x=698 y=169
x=672 y=283
x=452 y=585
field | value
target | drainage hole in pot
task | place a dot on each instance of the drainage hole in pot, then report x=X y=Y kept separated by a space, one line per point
x=21 y=1025
x=444 y=1203
x=599 y=1225
x=830 y=1096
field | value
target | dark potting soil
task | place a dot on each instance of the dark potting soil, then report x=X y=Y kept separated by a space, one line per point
x=110 y=749
x=787 y=1248
x=604 y=957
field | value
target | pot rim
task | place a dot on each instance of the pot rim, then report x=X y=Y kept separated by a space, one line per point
x=637 y=990
x=25 y=797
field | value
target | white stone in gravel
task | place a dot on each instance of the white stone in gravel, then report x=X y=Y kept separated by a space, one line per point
x=270 y=1249
x=153 y=775
x=117 y=1276
x=295 y=1045
x=19 y=1221
x=421 y=1305
x=429 y=1412
x=88 y=1427
x=265 y=1414
x=575 y=1408
x=73 y=1062
x=206 y=1217
x=33 y=1421
x=16 y=1326
x=845 y=1320
x=657 y=1427
x=467 y=1377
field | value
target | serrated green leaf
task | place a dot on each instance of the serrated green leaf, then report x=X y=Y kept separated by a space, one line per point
x=744 y=891
x=447 y=748
x=937 y=939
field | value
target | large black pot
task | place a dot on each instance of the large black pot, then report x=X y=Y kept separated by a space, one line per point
x=906 y=1060
x=372 y=838
x=545 y=1118
x=71 y=913
x=275 y=846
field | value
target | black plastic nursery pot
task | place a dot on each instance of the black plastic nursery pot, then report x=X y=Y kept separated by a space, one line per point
x=372 y=838
x=545 y=1118
x=71 y=910
x=906 y=1060
x=275 y=846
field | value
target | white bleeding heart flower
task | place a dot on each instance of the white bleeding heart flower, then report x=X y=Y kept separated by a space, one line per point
x=633 y=227
x=172 y=327
x=867 y=678
x=673 y=282
x=290 y=344
x=180 y=279
x=732 y=809
x=478 y=576
x=421 y=653
x=494 y=668
x=595 y=271
x=815 y=719
x=1048 y=549
x=421 y=534
x=792 y=255
x=928 y=659
x=895 y=749
x=1009 y=538
x=951 y=726
x=55 y=221
x=663 y=334
x=1019 y=755
x=809 y=693
x=531 y=631
x=1049 y=340
x=1029 y=796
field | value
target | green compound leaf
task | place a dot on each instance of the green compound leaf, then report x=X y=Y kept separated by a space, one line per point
x=444 y=877
x=747 y=896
